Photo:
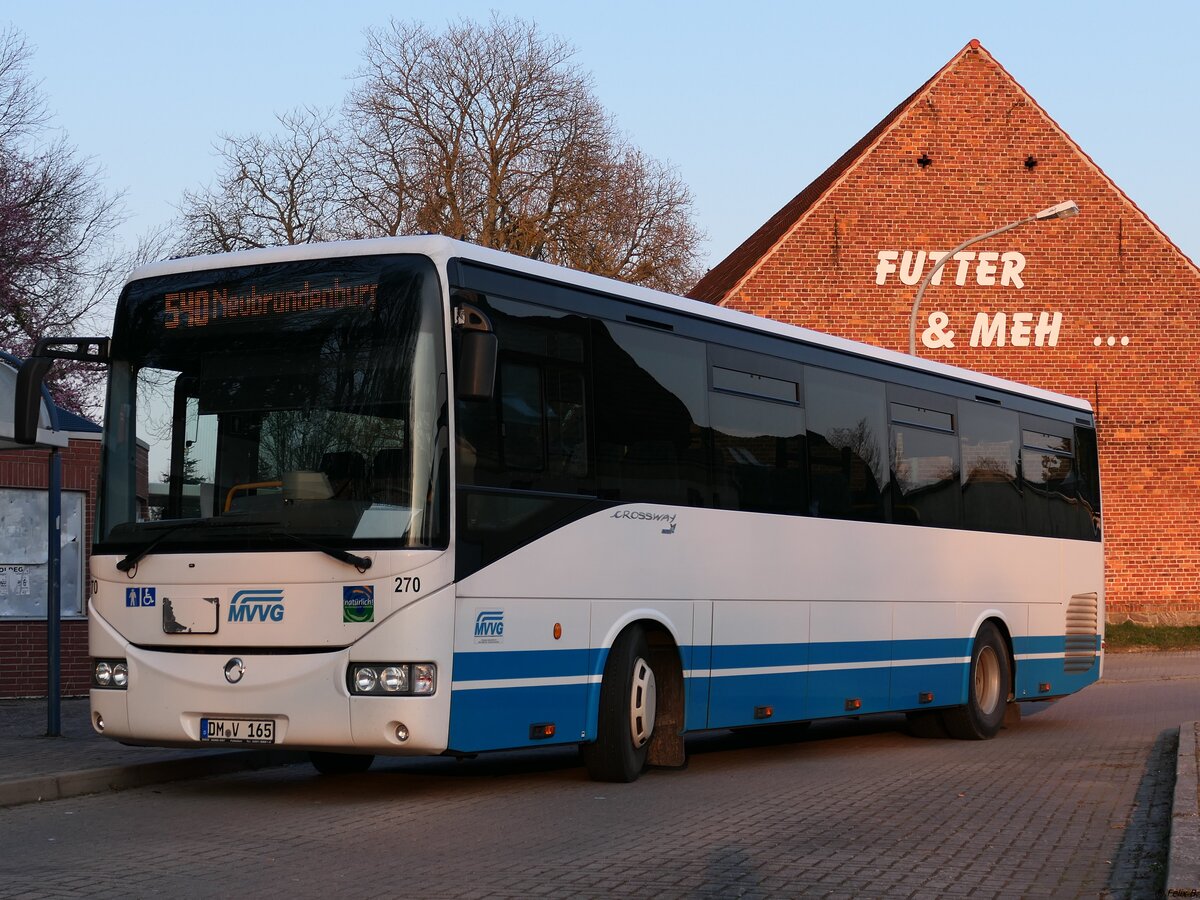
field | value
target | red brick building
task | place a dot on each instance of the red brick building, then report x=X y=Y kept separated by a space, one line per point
x=1101 y=306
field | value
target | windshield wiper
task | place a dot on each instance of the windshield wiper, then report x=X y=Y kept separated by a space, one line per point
x=362 y=563
x=135 y=556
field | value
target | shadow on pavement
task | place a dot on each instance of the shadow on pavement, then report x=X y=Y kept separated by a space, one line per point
x=1140 y=866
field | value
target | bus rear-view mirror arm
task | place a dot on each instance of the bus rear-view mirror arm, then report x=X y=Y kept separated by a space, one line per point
x=26 y=403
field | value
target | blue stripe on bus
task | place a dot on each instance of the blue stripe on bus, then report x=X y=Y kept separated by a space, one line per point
x=753 y=656
x=759 y=656
x=1053 y=643
x=932 y=648
x=1034 y=674
x=873 y=672
x=489 y=665
x=500 y=718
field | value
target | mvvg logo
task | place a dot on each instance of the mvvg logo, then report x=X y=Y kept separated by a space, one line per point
x=257 y=605
x=489 y=626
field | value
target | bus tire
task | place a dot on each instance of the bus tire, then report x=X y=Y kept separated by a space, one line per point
x=988 y=685
x=340 y=763
x=628 y=702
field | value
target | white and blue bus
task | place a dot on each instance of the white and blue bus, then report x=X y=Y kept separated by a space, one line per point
x=427 y=498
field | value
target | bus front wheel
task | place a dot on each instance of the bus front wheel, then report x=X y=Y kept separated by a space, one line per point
x=628 y=701
x=988 y=687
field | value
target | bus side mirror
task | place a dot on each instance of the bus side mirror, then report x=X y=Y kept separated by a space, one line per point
x=475 y=377
x=27 y=404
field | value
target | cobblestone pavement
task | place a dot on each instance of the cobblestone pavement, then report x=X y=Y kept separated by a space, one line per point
x=1072 y=802
x=25 y=751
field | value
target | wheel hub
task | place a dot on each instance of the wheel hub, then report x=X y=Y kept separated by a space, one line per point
x=643 y=700
x=987 y=680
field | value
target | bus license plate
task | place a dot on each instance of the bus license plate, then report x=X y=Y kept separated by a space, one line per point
x=242 y=731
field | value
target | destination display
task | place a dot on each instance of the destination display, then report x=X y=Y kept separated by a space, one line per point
x=201 y=308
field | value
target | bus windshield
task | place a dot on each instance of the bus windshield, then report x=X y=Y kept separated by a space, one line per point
x=298 y=404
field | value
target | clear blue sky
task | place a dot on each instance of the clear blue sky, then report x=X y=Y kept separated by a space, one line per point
x=750 y=100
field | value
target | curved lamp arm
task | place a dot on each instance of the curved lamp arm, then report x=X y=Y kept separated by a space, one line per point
x=1063 y=210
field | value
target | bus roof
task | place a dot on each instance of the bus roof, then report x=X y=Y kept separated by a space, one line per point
x=442 y=249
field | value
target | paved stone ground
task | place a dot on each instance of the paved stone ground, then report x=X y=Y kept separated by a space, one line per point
x=25 y=751
x=1183 y=870
x=1073 y=802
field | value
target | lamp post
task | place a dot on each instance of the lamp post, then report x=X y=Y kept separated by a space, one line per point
x=1063 y=210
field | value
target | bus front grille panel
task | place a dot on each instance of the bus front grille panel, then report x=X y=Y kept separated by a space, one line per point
x=1082 y=627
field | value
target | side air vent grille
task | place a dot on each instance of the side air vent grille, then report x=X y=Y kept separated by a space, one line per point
x=1082 y=627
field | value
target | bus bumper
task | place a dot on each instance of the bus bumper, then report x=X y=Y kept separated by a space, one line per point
x=304 y=695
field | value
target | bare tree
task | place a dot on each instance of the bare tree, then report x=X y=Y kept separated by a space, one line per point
x=488 y=133
x=58 y=256
x=637 y=228
x=22 y=107
x=271 y=190
x=491 y=134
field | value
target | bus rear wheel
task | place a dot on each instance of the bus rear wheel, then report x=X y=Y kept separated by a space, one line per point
x=628 y=705
x=340 y=763
x=988 y=687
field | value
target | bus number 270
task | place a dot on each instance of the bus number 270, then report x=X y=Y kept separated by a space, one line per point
x=407 y=585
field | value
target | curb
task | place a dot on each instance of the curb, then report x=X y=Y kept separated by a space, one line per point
x=116 y=778
x=1183 y=863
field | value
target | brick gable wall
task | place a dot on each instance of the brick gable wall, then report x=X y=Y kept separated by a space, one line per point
x=1109 y=272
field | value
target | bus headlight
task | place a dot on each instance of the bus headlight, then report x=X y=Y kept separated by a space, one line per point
x=111 y=674
x=365 y=680
x=395 y=679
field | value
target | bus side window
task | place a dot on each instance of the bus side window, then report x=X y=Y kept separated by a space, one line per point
x=847 y=428
x=522 y=416
x=758 y=454
x=532 y=434
x=924 y=464
x=1088 y=466
x=991 y=446
x=651 y=415
x=1054 y=505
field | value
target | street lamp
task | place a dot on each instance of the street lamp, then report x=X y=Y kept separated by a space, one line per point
x=1063 y=210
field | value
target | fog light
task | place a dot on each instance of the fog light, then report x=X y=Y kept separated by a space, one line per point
x=104 y=674
x=424 y=678
x=401 y=732
x=394 y=678
x=120 y=675
x=365 y=679
x=99 y=723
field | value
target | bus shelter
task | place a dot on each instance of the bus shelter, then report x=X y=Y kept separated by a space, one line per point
x=51 y=439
